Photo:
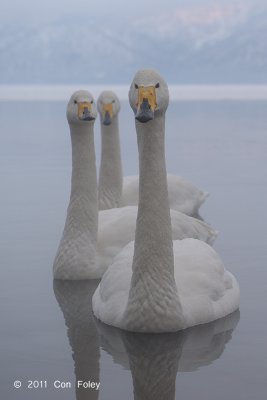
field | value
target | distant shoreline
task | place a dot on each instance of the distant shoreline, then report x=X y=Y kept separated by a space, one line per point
x=177 y=92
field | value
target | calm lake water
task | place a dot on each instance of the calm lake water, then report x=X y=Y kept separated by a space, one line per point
x=47 y=329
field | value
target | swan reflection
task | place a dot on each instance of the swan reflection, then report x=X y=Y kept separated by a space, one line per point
x=155 y=359
x=74 y=299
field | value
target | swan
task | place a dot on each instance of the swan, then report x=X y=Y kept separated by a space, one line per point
x=76 y=254
x=117 y=228
x=154 y=284
x=88 y=247
x=116 y=191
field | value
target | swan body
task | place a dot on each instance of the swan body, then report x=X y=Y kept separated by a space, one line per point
x=183 y=195
x=88 y=246
x=206 y=290
x=116 y=228
x=155 y=284
x=116 y=191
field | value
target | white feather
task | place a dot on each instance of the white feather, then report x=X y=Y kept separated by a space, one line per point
x=156 y=284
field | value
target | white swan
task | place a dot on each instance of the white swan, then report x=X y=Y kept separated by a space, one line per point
x=116 y=191
x=154 y=284
x=81 y=255
x=116 y=228
x=76 y=255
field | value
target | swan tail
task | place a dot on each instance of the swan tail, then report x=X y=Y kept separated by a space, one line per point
x=199 y=200
x=203 y=197
x=213 y=236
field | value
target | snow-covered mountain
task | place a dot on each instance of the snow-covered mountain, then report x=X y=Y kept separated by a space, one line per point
x=213 y=44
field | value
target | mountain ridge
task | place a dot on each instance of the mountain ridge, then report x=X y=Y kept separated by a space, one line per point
x=219 y=47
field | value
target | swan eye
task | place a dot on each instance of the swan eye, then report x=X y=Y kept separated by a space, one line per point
x=92 y=101
x=157 y=85
x=136 y=86
x=113 y=101
x=75 y=101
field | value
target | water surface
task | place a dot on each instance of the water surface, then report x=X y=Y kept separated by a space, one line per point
x=48 y=331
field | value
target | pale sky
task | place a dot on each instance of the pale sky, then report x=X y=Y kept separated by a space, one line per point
x=28 y=12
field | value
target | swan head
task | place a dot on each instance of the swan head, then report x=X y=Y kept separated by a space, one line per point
x=148 y=95
x=108 y=106
x=81 y=108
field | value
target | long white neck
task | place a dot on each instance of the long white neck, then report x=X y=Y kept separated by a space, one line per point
x=76 y=257
x=153 y=264
x=84 y=180
x=110 y=175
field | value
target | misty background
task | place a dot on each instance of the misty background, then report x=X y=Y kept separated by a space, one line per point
x=99 y=42
x=203 y=49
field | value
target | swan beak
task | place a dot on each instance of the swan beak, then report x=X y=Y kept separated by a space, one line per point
x=107 y=114
x=84 y=111
x=147 y=103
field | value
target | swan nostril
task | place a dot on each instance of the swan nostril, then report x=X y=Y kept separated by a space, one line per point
x=107 y=118
x=145 y=104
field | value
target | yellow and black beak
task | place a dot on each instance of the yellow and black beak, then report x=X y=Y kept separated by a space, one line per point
x=107 y=113
x=146 y=104
x=85 y=111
